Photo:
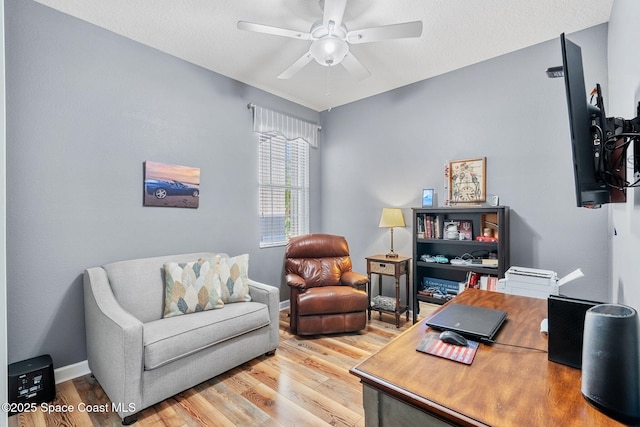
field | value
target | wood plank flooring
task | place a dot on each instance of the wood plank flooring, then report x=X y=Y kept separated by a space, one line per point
x=306 y=383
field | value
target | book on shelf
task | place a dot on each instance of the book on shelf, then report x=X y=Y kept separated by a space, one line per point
x=488 y=283
x=428 y=226
x=443 y=286
x=420 y=227
x=492 y=284
x=472 y=280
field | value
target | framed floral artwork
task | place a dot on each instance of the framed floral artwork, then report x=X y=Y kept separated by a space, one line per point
x=467 y=180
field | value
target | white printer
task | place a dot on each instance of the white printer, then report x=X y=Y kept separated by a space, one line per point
x=531 y=282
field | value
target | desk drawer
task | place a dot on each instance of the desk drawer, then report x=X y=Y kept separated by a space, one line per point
x=382 y=268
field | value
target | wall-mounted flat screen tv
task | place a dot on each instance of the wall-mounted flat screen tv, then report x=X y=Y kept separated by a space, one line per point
x=586 y=144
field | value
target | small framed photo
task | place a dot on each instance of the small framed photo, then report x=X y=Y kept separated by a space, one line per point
x=427 y=198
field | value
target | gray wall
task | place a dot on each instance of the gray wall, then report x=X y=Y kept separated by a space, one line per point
x=85 y=109
x=624 y=95
x=383 y=150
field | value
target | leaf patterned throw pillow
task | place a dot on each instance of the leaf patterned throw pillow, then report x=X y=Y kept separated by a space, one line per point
x=234 y=278
x=191 y=287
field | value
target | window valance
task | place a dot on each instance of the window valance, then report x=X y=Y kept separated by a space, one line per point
x=268 y=121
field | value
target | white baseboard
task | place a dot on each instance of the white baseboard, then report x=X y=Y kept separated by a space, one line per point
x=284 y=305
x=70 y=372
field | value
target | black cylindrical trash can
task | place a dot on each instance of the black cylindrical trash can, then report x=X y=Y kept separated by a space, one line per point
x=611 y=361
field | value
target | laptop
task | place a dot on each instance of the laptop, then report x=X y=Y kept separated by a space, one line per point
x=476 y=323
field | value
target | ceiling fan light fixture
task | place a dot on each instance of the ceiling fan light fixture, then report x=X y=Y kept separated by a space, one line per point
x=330 y=39
x=329 y=50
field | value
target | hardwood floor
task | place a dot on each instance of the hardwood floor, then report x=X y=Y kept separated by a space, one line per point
x=306 y=383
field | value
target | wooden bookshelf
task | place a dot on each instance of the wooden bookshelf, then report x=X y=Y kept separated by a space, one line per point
x=487 y=256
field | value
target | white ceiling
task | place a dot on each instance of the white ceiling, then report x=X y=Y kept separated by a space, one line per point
x=456 y=33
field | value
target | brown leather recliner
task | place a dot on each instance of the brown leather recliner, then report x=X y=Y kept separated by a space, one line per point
x=323 y=298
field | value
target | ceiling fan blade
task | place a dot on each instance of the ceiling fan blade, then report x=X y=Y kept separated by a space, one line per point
x=297 y=66
x=333 y=11
x=386 y=32
x=355 y=67
x=276 y=31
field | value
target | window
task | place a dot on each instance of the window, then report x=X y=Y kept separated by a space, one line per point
x=284 y=189
x=283 y=175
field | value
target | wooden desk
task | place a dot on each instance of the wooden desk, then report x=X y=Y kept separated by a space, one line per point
x=394 y=267
x=505 y=386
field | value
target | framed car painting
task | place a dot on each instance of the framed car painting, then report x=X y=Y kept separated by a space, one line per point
x=467 y=181
x=173 y=186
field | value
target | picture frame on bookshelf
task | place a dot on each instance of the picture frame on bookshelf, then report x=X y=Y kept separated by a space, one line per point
x=465 y=229
x=460 y=229
x=467 y=181
x=427 y=197
x=450 y=230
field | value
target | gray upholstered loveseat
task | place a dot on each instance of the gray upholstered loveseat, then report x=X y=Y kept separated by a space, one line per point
x=140 y=357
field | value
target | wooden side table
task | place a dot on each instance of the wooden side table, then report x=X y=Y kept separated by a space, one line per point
x=394 y=267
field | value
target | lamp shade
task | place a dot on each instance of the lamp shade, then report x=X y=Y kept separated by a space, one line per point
x=329 y=50
x=391 y=217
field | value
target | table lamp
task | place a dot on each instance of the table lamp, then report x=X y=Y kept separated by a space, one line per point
x=391 y=217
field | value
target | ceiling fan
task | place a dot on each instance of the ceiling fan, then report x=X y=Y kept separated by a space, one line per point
x=330 y=39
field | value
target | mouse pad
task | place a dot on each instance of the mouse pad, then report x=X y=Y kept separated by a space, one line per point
x=431 y=344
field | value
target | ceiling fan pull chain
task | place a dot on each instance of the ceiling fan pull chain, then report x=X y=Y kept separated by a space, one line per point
x=328 y=82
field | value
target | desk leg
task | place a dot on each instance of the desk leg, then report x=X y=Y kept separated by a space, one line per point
x=397 y=302
x=379 y=293
x=407 y=290
x=369 y=296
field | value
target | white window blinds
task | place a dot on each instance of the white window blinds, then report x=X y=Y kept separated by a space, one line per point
x=283 y=174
